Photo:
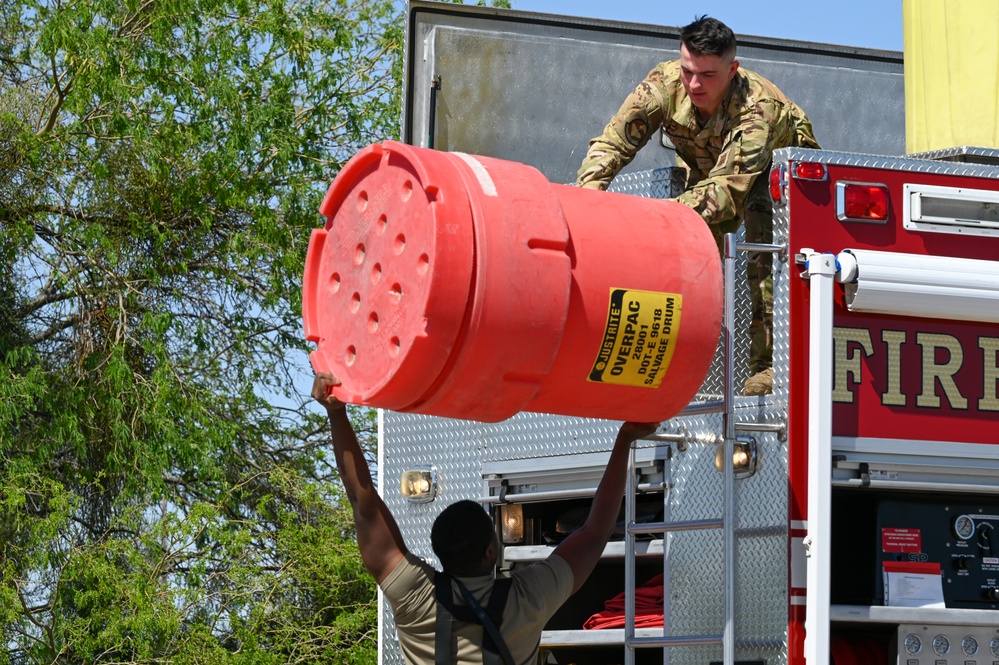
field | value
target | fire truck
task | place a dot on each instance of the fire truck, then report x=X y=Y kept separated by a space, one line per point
x=848 y=517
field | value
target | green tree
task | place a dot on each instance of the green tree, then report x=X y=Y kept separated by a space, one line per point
x=165 y=494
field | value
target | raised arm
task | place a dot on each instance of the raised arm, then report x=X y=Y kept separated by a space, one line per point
x=378 y=535
x=582 y=549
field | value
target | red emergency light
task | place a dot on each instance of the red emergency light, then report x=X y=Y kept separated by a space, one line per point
x=799 y=171
x=862 y=201
x=776 y=183
x=809 y=171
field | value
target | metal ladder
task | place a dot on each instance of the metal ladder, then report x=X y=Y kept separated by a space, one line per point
x=726 y=523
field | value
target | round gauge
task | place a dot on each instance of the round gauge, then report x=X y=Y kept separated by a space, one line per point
x=969 y=645
x=994 y=645
x=913 y=645
x=964 y=527
x=941 y=645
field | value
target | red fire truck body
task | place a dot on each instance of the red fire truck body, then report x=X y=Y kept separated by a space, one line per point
x=910 y=399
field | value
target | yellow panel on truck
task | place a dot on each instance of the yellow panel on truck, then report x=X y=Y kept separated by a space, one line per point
x=951 y=74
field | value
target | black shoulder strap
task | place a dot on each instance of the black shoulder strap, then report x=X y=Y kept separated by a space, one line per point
x=490 y=617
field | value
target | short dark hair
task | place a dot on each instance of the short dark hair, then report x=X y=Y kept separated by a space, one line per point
x=708 y=36
x=460 y=536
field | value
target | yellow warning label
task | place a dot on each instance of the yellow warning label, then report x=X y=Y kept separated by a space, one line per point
x=639 y=339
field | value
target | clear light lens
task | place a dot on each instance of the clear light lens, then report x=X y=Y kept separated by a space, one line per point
x=512 y=516
x=419 y=485
x=742 y=456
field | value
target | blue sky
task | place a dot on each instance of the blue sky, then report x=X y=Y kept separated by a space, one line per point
x=865 y=23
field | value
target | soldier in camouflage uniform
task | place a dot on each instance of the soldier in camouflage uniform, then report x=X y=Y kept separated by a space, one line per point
x=725 y=123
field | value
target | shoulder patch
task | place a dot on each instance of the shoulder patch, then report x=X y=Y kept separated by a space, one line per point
x=636 y=130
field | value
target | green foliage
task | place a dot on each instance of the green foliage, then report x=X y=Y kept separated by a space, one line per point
x=165 y=492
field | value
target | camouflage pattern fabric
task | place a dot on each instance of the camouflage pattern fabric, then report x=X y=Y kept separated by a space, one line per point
x=724 y=158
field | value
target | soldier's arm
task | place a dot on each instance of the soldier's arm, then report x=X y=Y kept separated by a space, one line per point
x=628 y=131
x=583 y=547
x=804 y=135
x=378 y=535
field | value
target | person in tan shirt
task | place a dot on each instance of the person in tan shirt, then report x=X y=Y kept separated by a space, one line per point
x=464 y=540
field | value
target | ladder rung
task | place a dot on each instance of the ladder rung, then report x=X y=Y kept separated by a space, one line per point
x=673 y=641
x=663 y=527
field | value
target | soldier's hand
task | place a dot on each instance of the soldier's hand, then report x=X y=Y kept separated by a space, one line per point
x=322 y=388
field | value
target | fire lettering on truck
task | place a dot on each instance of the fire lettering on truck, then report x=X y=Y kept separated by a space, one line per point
x=639 y=338
x=911 y=368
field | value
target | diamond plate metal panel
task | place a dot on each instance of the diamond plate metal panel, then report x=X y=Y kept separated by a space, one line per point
x=665 y=183
x=962 y=154
x=696 y=558
x=782 y=273
x=888 y=163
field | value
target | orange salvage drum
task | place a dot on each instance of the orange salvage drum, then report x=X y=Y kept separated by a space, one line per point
x=471 y=287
